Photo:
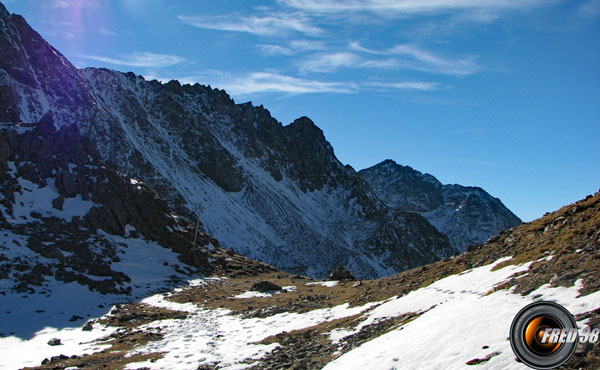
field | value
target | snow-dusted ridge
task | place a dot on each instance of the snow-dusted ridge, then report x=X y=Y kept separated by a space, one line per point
x=381 y=324
x=271 y=192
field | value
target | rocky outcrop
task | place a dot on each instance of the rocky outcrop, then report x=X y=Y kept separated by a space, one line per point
x=60 y=166
x=341 y=274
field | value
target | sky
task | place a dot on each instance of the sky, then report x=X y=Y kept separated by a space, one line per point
x=500 y=94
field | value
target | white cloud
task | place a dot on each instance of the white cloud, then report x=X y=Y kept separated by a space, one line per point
x=107 y=32
x=381 y=63
x=416 y=58
x=262 y=82
x=421 y=86
x=273 y=24
x=408 y=6
x=328 y=62
x=59 y=23
x=70 y=4
x=270 y=49
x=427 y=61
x=590 y=9
x=139 y=59
x=399 y=56
x=272 y=82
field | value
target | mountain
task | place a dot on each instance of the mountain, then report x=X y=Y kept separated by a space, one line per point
x=271 y=192
x=410 y=320
x=76 y=236
x=467 y=215
x=102 y=175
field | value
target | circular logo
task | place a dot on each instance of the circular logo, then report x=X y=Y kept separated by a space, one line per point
x=543 y=335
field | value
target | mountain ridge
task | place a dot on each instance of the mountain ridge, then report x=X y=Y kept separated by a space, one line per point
x=468 y=215
x=288 y=200
x=248 y=172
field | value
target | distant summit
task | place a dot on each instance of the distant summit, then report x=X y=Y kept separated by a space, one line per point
x=467 y=215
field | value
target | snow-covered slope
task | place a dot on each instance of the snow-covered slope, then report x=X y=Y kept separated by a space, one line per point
x=467 y=215
x=272 y=192
x=452 y=314
x=458 y=321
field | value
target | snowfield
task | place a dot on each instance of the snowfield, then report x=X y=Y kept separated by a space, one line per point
x=458 y=317
x=464 y=318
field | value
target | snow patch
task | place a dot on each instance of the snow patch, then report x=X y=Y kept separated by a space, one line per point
x=252 y=294
x=329 y=284
x=33 y=198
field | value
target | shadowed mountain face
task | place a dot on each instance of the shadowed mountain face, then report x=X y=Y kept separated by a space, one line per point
x=467 y=215
x=272 y=192
x=75 y=234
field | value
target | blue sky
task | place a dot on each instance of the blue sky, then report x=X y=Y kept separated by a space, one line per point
x=502 y=94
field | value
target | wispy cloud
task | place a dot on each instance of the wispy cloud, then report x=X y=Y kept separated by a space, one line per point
x=69 y=4
x=60 y=28
x=59 y=23
x=420 y=86
x=294 y=47
x=266 y=82
x=139 y=59
x=273 y=82
x=590 y=9
x=408 y=6
x=431 y=62
x=331 y=62
x=107 y=32
x=328 y=62
x=398 y=57
x=270 y=49
x=416 y=58
x=271 y=24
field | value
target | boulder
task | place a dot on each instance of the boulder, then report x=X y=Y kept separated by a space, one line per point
x=265 y=286
x=88 y=326
x=54 y=342
x=65 y=183
x=340 y=273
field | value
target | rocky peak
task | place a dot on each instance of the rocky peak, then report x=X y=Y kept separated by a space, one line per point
x=403 y=187
x=30 y=64
x=467 y=215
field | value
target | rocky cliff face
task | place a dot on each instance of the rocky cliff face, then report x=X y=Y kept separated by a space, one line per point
x=65 y=216
x=467 y=215
x=272 y=192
